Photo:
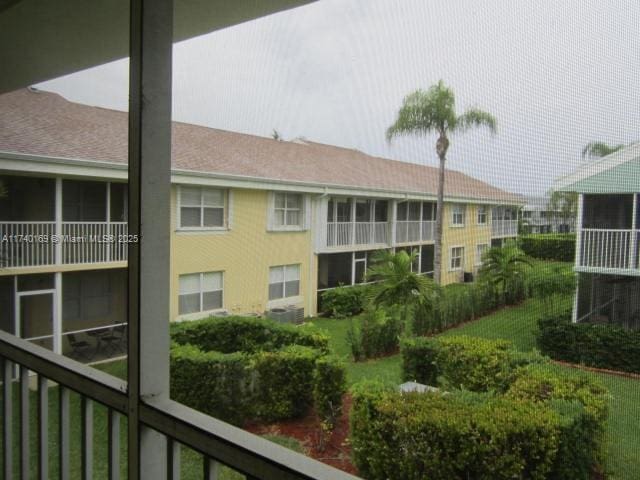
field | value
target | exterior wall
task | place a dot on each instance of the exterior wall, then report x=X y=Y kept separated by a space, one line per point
x=244 y=253
x=467 y=236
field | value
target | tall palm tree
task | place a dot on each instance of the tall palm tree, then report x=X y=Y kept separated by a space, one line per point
x=599 y=149
x=396 y=284
x=433 y=111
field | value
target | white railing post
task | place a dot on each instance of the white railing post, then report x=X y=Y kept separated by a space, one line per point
x=578 y=259
x=58 y=226
x=635 y=232
x=394 y=222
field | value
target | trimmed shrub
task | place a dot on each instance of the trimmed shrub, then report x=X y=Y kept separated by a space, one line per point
x=344 y=301
x=329 y=385
x=603 y=346
x=377 y=333
x=266 y=382
x=435 y=436
x=560 y=247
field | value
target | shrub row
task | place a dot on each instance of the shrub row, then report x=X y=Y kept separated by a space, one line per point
x=278 y=382
x=603 y=346
x=561 y=247
x=505 y=415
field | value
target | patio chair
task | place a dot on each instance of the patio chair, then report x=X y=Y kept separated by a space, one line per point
x=115 y=339
x=80 y=349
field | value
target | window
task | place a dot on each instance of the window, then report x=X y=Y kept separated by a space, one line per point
x=457 y=215
x=200 y=292
x=457 y=253
x=288 y=210
x=481 y=249
x=482 y=215
x=284 y=281
x=526 y=214
x=202 y=207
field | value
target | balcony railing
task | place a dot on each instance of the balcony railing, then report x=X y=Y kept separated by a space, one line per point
x=415 y=231
x=217 y=442
x=340 y=234
x=609 y=248
x=32 y=244
x=504 y=228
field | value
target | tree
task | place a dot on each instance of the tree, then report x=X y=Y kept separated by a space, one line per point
x=433 y=111
x=396 y=284
x=276 y=135
x=599 y=149
x=564 y=202
x=503 y=267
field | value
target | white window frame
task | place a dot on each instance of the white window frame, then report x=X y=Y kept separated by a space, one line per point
x=482 y=211
x=304 y=211
x=200 y=313
x=458 y=209
x=226 y=210
x=285 y=299
x=478 y=254
x=451 y=258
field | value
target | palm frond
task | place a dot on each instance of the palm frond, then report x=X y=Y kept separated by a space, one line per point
x=475 y=117
x=599 y=149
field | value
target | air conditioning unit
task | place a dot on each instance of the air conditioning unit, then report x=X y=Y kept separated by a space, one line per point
x=467 y=277
x=281 y=314
x=298 y=313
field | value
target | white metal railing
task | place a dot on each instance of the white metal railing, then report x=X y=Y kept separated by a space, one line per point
x=31 y=244
x=609 y=248
x=218 y=442
x=357 y=233
x=504 y=228
x=27 y=244
x=415 y=231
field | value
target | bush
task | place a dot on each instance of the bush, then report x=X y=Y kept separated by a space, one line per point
x=560 y=247
x=266 y=382
x=344 y=301
x=377 y=333
x=603 y=346
x=329 y=384
x=435 y=436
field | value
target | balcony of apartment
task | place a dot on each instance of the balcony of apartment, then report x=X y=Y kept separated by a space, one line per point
x=49 y=221
x=504 y=222
x=415 y=222
x=356 y=223
x=609 y=234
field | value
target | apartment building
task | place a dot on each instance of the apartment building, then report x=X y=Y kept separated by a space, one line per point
x=608 y=239
x=256 y=223
x=539 y=216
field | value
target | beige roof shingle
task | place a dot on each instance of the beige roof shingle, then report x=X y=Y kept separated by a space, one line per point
x=45 y=124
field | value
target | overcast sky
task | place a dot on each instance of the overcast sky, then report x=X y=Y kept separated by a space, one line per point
x=556 y=75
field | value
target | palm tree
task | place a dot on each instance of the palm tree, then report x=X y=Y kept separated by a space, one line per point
x=433 y=111
x=503 y=266
x=396 y=284
x=599 y=149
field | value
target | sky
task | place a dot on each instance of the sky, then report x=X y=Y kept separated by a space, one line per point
x=556 y=76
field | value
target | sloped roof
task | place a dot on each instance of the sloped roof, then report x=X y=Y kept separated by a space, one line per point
x=615 y=173
x=47 y=125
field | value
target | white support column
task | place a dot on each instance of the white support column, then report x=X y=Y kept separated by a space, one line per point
x=57 y=313
x=353 y=220
x=635 y=233
x=579 y=229
x=58 y=228
x=107 y=245
x=393 y=217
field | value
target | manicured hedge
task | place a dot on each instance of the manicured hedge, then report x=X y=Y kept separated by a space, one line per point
x=344 y=301
x=561 y=247
x=258 y=384
x=376 y=333
x=603 y=346
x=546 y=424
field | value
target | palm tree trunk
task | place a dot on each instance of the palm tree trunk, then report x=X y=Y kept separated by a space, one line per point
x=437 y=249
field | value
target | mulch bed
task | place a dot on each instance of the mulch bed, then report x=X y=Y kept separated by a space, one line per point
x=337 y=450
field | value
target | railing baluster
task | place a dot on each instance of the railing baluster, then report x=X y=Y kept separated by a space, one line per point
x=25 y=458
x=7 y=425
x=63 y=443
x=43 y=428
x=87 y=438
x=114 y=445
x=173 y=459
x=211 y=469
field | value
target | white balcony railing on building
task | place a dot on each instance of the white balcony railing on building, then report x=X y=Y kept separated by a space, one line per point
x=609 y=248
x=415 y=231
x=504 y=228
x=32 y=244
x=341 y=234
